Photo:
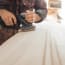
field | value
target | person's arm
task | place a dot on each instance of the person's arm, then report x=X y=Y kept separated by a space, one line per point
x=4 y=4
x=41 y=10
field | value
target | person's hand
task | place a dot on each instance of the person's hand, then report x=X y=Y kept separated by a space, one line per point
x=31 y=16
x=36 y=17
x=8 y=17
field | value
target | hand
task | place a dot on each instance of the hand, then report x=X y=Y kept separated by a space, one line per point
x=36 y=18
x=31 y=16
x=8 y=17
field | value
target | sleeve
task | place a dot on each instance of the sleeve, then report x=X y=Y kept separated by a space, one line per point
x=4 y=4
x=41 y=9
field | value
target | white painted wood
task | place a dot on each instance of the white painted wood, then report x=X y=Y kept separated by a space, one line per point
x=44 y=46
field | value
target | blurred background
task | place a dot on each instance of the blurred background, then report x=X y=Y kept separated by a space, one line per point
x=56 y=10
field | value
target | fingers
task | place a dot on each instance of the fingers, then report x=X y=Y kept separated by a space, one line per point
x=9 y=20
x=29 y=20
x=14 y=19
x=6 y=20
x=36 y=17
x=29 y=16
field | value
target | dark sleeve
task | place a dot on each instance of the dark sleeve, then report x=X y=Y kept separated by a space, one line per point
x=4 y=4
x=41 y=9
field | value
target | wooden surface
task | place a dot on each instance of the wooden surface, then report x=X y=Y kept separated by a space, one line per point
x=44 y=46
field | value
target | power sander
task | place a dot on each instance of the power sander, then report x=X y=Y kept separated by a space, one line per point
x=22 y=24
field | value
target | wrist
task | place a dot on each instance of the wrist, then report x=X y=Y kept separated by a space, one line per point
x=1 y=11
